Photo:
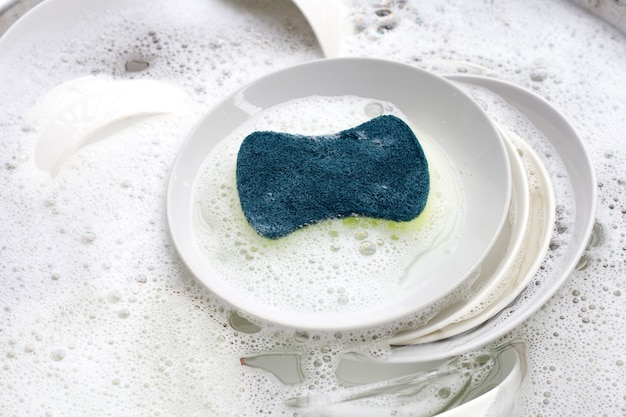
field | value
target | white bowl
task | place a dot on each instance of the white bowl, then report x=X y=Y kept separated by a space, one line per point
x=434 y=107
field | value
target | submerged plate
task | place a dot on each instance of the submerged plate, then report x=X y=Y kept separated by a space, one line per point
x=506 y=380
x=434 y=107
x=562 y=136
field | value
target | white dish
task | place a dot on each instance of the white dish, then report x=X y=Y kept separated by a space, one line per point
x=520 y=264
x=84 y=107
x=493 y=387
x=440 y=110
x=577 y=163
x=327 y=19
x=500 y=401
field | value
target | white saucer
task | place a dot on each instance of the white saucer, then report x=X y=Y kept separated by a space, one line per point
x=562 y=136
x=434 y=107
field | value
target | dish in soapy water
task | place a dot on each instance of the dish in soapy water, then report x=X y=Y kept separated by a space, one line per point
x=506 y=380
x=497 y=287
x=437 y=111
x=562 y=137
x=77 y=111
x=484 y=383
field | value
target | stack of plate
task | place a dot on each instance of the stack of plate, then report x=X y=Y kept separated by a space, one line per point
x=509 y=202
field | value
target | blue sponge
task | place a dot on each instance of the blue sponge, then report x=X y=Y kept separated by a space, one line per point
x=377 y=169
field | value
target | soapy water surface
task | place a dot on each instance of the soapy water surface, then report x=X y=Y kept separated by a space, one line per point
x=100 y=317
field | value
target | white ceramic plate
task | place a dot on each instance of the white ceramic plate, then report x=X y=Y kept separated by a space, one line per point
x=493 y=393
x=435 y=106
x=327 y=18
x=575 y=158
x=521 y=262
x=499 y=401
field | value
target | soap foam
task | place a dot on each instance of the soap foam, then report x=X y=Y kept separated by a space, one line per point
x=99 y=315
